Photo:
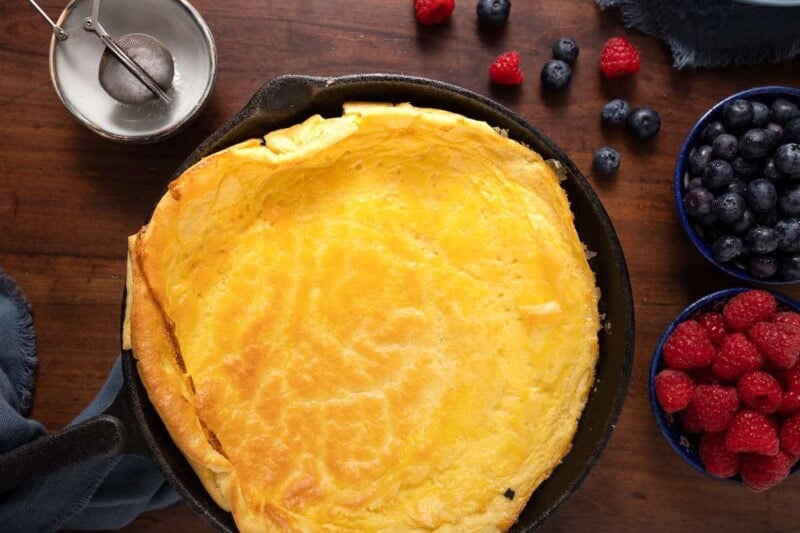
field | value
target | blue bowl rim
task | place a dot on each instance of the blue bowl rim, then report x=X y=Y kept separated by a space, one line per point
x=655 y=366
x=680 y=172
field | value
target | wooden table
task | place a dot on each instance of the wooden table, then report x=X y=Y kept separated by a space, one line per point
x=68 y=198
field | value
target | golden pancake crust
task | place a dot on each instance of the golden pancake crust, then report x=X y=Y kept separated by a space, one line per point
x=381 y=321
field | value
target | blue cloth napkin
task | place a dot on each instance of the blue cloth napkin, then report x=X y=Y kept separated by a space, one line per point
x=715 y=33
x=105 y=493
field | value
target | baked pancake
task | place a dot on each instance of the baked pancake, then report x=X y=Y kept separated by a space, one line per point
x=383 y=321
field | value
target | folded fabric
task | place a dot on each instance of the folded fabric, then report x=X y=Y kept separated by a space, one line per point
x=105 y=493
x=715 y=33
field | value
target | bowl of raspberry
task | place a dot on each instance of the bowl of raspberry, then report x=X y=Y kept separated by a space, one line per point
x=725 y=386
x=737 y=185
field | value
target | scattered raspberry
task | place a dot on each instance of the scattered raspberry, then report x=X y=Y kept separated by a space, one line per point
x=505 y=69
x=736 y=356
x=674 y=390
x=762 y=472
x=788 y=317
x=619 y=58
x=714 y=325
x=688 y=347
x=746 y=308
x=690 y=422
x=717 y=460
x=703 y=376
x=760 y=391
x=790 y=436
x=714 y=406
x=790 y=403
x=779 y=343
x=752 y=432
x=430 y=12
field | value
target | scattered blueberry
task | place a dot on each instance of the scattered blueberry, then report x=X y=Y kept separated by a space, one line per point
x=788 y=230
x=787 y=159
x=755 y=143
x=770 y=171
x=727 y=248
x=737 y=115
x=769 y=218
x=606 y=160
x=711 y=131
x=761 y=196
x=698 y=202
x=782 y=111
x=718 y=174
x=694 y=183
x=566 y=49
x=729 y=207
x=762 y=266
x=760 y=114
x=616 y=112
x=790 y=202
x=493 y=13
x=724 y=147
x=761 y=240
x=744 y=169
x=737 y=186
x=790 y=267
x=644 y=122
x=556 y=74
x=777 y=133
x=741 y=226
x=791 y=132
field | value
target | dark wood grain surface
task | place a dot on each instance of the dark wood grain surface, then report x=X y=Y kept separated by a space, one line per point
x=68 y=199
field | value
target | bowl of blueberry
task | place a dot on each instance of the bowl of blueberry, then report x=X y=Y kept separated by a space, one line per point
x=737 y=185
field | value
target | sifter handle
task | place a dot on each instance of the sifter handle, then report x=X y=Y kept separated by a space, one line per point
x=61 y=35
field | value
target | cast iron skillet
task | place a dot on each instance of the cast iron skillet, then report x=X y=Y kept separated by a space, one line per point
x=131 y=425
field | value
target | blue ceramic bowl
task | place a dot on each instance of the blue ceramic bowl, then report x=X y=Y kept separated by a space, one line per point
x=681 y=176
x=684 y=443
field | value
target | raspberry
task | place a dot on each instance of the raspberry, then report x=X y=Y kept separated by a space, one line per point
x=736 y=356
x=790 y=379
x=430 y=12
x=690 y=422
x=746 y=308
x=688 y=347
x=762 y=472
x=790 y=436
x=505 y=69
x=788 y=317
x=760 y=391
x=674 y=390
x=714 y=325
x=619 y=58
x=790 y=403
x=779 y=343
x=714 y=406
x=716 y=458
x=752 y=432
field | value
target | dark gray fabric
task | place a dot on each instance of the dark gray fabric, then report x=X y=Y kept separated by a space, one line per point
x=715 y=33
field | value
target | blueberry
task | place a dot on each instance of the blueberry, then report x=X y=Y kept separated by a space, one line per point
x=737 y=186
x=724 y=147
x=711 y=131
x=729 y=207
x=727 y=248
x=790 y=267
x=788 y=230
x=760 y=114
x=698 y=158
x=777 y=132
x=741 y=226
x=566 y=49
x=709 y=221
x=762 y=266
x=769 y=219
x=694 y=183
x=791 y=132
x=770 y=171
x=755 y=143
x=493 y=13
x=616 y=112
x=718 y=174
x=790 y=202
x=698 y=202
x=737 y=115
x=744 y=169
x=761 y=196
x=787 y=159
x=644 y=122
x=782 y=111
x=556 y=74
x=606 y=160
x=761 y=240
